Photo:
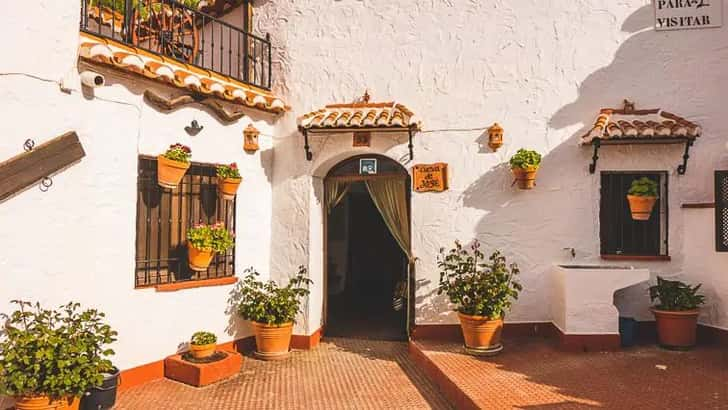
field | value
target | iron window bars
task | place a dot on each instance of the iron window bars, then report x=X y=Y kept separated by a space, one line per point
x=721 y=211
x=163 y=217
x=171 y=29
x=619 y=233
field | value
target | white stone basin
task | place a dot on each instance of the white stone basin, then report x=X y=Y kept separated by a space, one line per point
x=582 y=299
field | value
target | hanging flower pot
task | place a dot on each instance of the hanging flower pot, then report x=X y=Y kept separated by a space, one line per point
x=524 y=165
x=203 y=345
x=172 y=165
x=642 y=196
x=495 y=137
x=203 y=241
x=250 y=139
x=228 y=180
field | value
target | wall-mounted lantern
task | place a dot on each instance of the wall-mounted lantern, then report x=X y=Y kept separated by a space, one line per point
x=495 y=136
x=250 y=135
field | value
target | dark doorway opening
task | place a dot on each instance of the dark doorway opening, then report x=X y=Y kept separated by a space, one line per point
x=366 y=267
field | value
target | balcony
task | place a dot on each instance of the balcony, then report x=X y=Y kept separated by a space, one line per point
x=171 y=29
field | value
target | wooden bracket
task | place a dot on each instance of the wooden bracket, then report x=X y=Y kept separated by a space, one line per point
x=28 y=168
x=172 y=103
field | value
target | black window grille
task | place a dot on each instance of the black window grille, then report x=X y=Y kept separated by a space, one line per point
x=721 y=211
x=163 y=217
x=619 y=233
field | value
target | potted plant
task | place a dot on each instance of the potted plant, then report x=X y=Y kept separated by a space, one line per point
x=203 y=241
x=50 y=358
x=524 y=165
x=203 y=344
x=172 y=165
x=642 y=196
x=272 y=311
x=482 y=292
x=676 y=313
x=228 y=180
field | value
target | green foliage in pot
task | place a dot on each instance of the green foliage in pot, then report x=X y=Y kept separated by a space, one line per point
x=210 y=237
x=478 y=287
x=203 y=338
x=675 y=296
x=643 y=187
x=139 y=5
x=228 y=171
x=178 y=152
x=58 y=353
x=526 y=159
x=266 y=302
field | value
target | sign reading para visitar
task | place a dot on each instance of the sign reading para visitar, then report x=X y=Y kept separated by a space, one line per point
x=688 y=14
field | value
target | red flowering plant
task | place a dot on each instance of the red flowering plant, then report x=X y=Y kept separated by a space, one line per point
x=228 y=171
x=178 y=152
x=213 y=237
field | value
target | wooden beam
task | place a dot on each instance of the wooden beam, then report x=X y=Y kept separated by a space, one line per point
x=21 y=171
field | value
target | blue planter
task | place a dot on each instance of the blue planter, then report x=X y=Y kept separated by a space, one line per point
x=627 y=330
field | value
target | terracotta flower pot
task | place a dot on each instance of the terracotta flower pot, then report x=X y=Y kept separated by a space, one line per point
x=199 y=260
x=46 y=403
x=170 y=173
x=228 y=187
x=482 y=335
x=676 y=330
x=641 y=206
x=526 y=178
x=272 y=341
x=202 y=351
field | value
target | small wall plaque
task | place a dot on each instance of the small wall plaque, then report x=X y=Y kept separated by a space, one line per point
x=368 y=166
x=687 y=14
x=430 y=177
x=362 y=139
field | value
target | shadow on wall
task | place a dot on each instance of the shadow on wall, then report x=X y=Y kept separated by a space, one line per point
x=654 y=69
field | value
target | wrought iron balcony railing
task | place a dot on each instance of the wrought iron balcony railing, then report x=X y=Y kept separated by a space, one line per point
x=172 y=29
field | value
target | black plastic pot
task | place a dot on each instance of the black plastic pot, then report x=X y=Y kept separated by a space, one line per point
x=104 y=396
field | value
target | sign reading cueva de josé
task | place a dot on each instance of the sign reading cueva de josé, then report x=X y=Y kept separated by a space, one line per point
x=688 y=14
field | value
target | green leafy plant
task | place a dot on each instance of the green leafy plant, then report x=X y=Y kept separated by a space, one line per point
x=643 y=187
x=674 y=295
x=477 y=287
x=228 y=171
x=178 y=152
x=266 y=302
x=142 y=6
x=57 y=353
x=210 y=237
x=203 y=338
x=525 y=159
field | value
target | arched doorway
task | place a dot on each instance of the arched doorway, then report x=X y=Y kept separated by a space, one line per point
x=367 y=248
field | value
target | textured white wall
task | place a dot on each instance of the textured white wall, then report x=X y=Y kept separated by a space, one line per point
x=542 y=69
x=77 y=241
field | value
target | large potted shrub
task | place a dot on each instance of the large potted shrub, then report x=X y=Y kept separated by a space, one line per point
x=228 y=180
x=642 y=196
x=203 y=344
x=203 y=241
x=676 y=312
x=272 y=310
x=50 y=358
x=524 y=165
x=172 y=165
x=482 y=291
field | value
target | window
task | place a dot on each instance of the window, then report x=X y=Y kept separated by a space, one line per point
x=619 y=233
x=721 y=211
x=163 y=216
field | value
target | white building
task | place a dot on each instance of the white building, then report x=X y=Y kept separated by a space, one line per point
x=543 y=70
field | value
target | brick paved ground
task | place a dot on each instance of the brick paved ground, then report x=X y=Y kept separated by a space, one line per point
x=533 y=374
x=339 y=374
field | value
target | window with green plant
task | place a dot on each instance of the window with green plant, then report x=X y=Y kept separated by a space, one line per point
x=478 y=286
x=674 y=295
x=268 y=303
x=228 y=171
x=53 y=352
x=213 y=237
x=178 y=152
x=202 y=338
x=525 y=159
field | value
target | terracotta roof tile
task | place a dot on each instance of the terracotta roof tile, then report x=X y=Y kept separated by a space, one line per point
x=619 y=123
x=177 y=74
x=359 y=115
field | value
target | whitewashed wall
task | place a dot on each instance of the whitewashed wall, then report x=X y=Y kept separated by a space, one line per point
x=77 y=241
x=542 y=69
